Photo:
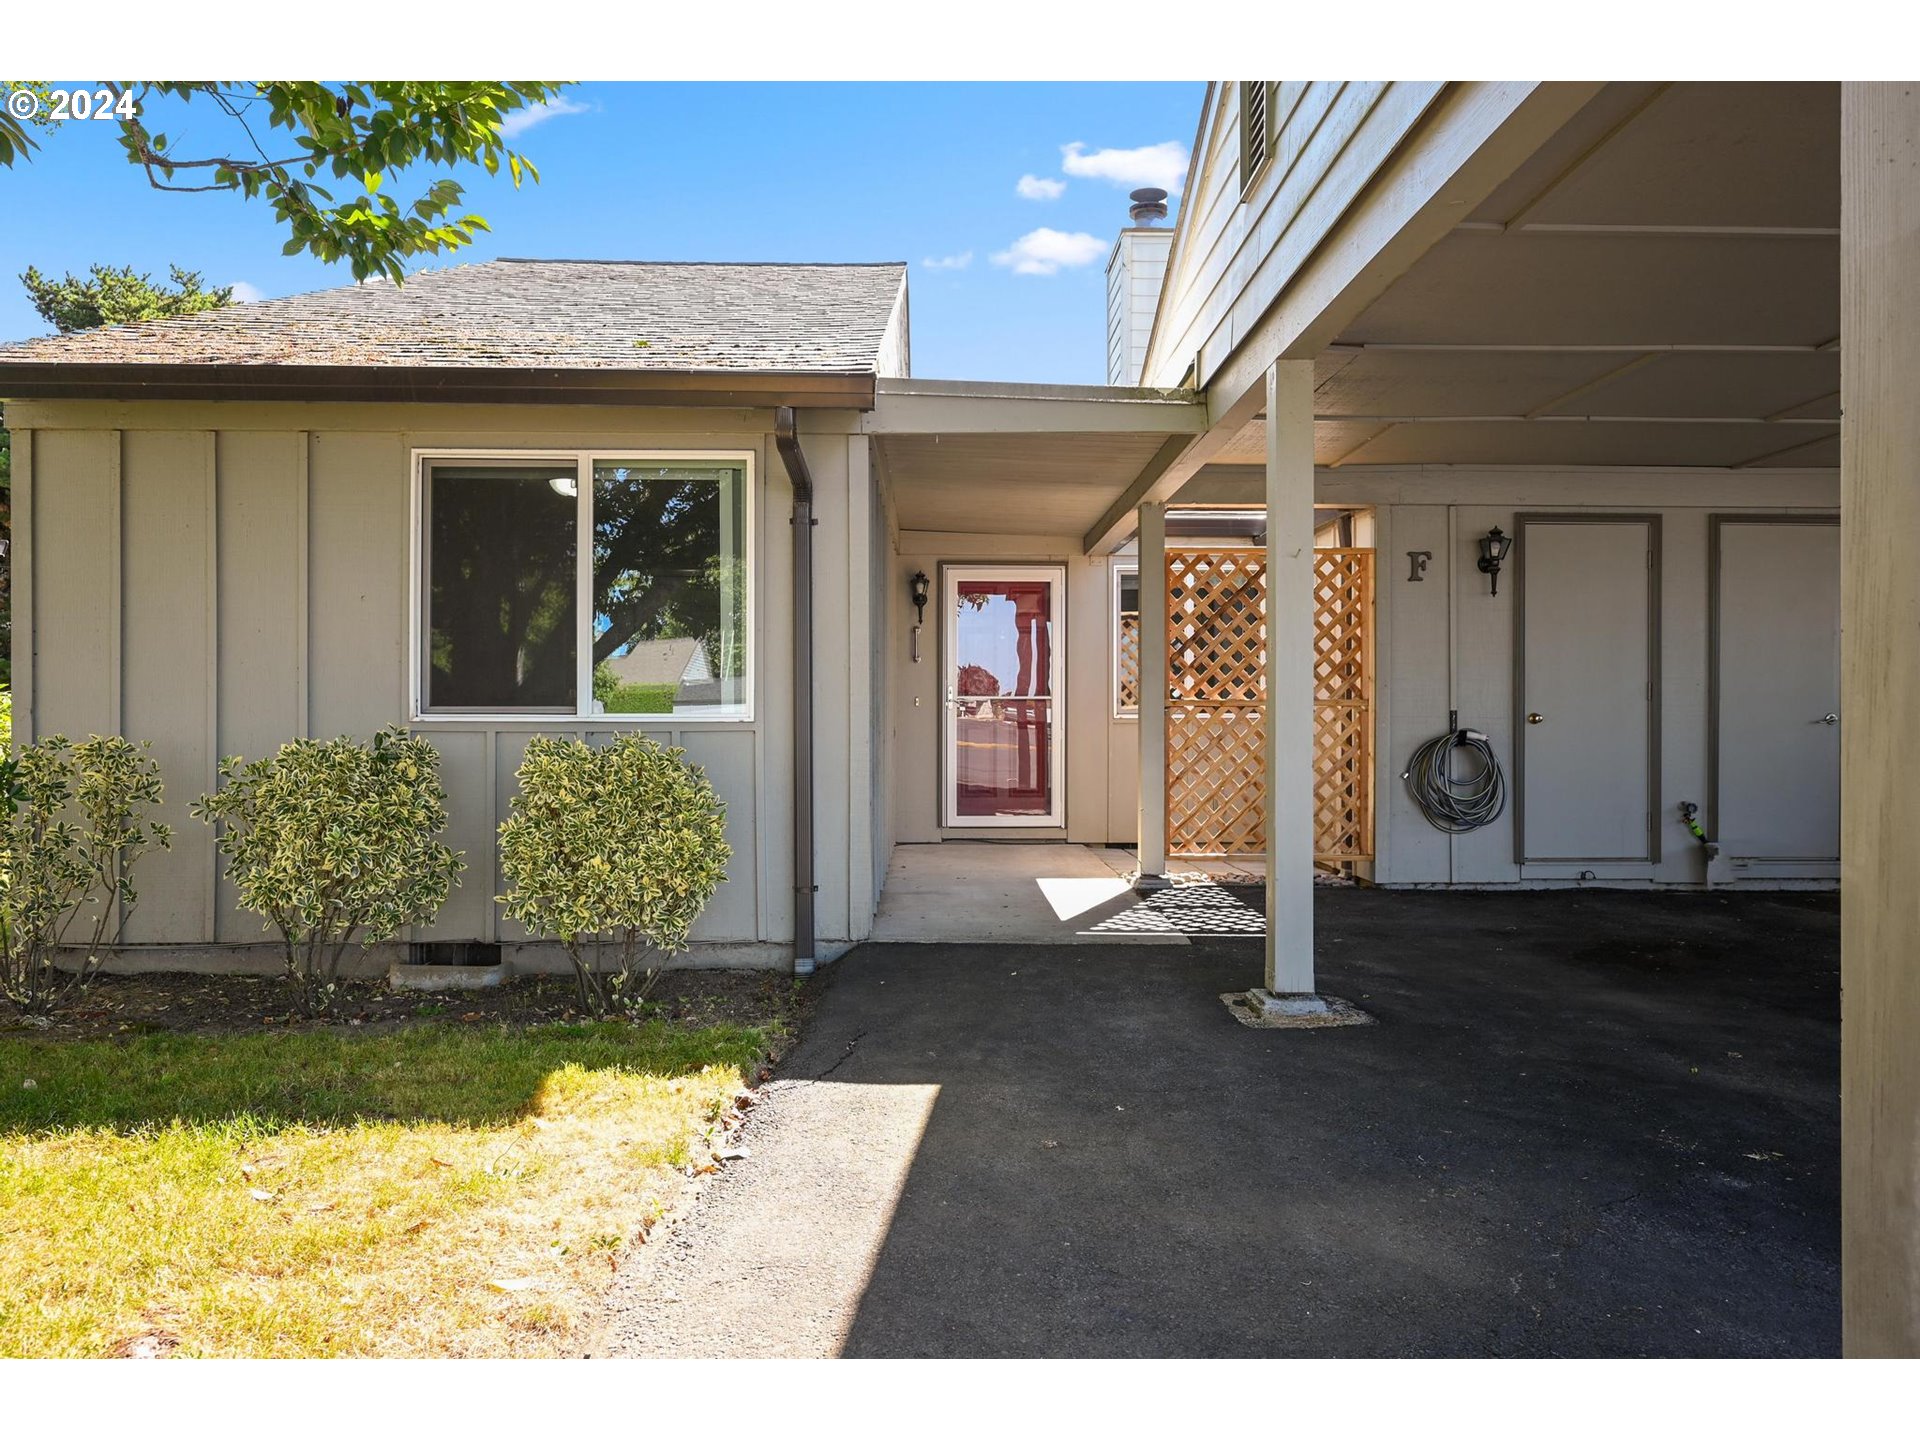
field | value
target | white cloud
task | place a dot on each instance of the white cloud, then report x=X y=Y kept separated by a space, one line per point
x=245 y=294
x=949 y=262
x=1046 y=252
x=1032 y=187
x=521 y=121
x=1164 y=164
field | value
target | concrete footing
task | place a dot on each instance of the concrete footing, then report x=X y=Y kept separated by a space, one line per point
x=1293 y=1006
x=1264 y=1010
x=446 y=977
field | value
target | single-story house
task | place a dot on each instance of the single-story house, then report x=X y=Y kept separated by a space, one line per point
x=1526 y=396
x=373 y=496
x=678 y=661
x=679 y=664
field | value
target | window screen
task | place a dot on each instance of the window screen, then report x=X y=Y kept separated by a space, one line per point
x=499 y=626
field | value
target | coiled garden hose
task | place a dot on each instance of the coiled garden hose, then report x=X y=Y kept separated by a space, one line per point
x=1454 y=802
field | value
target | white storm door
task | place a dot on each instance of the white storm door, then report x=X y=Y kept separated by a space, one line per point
x=1587 y=690
x=1777 y=690
x=1002 y=730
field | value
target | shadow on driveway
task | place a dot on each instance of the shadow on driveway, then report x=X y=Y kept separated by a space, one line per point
x=1586 y=1124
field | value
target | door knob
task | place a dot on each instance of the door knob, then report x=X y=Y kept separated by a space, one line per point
x=1828 y=719
x=1534 y=717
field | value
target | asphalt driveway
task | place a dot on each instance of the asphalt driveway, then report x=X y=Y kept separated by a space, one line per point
x=1586 y=1124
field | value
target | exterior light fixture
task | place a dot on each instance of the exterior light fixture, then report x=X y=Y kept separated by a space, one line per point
x=1494 y=546
x=918 y=588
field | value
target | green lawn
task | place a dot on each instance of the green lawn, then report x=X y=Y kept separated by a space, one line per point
x=435 y=1190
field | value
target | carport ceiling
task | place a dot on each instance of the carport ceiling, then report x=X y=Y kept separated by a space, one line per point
x=1659 y=285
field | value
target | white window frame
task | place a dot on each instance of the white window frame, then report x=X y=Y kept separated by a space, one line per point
x=1120 y=568
x=583 y=463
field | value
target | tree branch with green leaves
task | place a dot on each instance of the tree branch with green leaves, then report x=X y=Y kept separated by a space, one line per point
x=279 y=139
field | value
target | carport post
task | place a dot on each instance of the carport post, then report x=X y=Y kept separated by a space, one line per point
x=1153 y=690
x=1880 y=716
x=1289 y=742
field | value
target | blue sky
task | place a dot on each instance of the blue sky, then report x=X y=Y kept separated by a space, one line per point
x=913 y=172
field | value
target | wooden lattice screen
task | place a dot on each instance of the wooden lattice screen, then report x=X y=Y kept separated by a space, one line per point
x=1127 y=687
x=1216 y=699
x=1216 y=636
x=1342 y=705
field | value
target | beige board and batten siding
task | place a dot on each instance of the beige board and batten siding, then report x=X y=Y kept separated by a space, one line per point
x=1445 y=643
x=1420 y=671
x=218 y=578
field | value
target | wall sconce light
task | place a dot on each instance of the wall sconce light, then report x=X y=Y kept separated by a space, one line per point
x=918 y=588
x=1494 y=546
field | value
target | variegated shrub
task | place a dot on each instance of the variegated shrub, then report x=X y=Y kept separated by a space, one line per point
x=614 y=852
x=337 y=843
x=73 y=820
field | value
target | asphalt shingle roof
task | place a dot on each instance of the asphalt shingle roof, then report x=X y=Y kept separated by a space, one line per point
x=532 y=314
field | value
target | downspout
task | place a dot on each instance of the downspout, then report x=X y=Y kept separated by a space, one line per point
x=801 y=477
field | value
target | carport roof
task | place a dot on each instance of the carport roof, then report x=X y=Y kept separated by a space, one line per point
x=1655 y=287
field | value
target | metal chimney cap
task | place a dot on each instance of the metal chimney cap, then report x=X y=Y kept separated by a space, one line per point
x=1149 y=205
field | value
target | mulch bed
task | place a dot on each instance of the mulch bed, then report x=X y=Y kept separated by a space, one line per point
x=116 y=1005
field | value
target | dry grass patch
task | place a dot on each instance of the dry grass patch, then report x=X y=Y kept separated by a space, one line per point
x=434 y=1191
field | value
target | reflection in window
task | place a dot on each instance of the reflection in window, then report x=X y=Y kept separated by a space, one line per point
x=669 y=588
x=500 y=587
x=1126 y=662
x=1003 y=752
x=1004 y=637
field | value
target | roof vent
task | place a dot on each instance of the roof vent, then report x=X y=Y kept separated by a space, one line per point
x=1149 y=205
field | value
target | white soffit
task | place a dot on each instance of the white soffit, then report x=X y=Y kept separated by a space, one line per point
x=1765 y=386
x=1576 y=443
x=1760 y=154
x=1479 y=287
x=1398 y=382
x=1671 y=258
x=1013 y=483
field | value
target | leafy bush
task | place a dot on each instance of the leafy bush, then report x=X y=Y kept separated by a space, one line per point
x=336 y=844
x=6 y=719
x=73 y=820
x=605 y=682
x=617 y=697
x=614 y=852
x=652 y=699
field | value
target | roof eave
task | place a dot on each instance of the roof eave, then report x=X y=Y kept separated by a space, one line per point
x=441 y=384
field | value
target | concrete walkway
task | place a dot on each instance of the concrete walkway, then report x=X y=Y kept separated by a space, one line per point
x=779 y=1251
x=1586 y=1124
x=989 y=893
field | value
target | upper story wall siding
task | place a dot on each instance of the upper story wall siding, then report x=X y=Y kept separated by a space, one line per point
x=1236 y=253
